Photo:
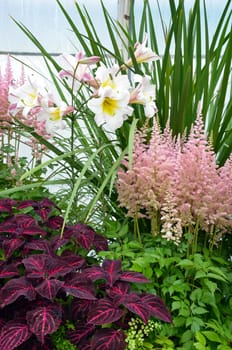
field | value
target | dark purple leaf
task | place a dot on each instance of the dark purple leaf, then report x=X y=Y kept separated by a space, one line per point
x=55 y=222
x=44 y=320
x=80 y=308
x=104 y=311
x=7 y=227
x=23 y=220
x=49 y=288
x=6 y=205
x=82 y=331
x=57 y=242
x=136 y=277
x=100 y=243
x=133 y=303
x=13 y=334
x=10 y=245
x=83 y=234
x=42 y=208
x=95 y=273
x=38 y=244
x=85 y=346
x=26 y=204
x=8 y=271
x=118 y=289
x=15 y=288
x=72 y=260
x=22 y=224
x=45 y=266
x=112 y=269
x=157 y=307
x=108 y=339
x=2 y=322
x=80 y=287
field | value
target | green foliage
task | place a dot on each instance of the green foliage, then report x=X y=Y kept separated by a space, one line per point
x=196 y=287
x=59 y=340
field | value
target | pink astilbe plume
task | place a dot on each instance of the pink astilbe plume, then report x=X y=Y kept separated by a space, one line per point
x=142 y=188
x=178 y=182
x=6 y=80
x=203 y=191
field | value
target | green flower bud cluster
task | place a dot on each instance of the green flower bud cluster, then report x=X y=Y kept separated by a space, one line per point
x=138 y=333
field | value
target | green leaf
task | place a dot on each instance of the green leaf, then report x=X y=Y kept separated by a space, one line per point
x=196 y=324
x=179 y=321
x=212 y=336
x=210 y=285
x=200 y=338
x=223 y=347
x=185 y=263
x=186 y=336
x=197 y=310
x=176 y=305
x=200 y=274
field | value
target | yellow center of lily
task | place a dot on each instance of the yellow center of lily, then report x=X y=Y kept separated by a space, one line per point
x=55 y=114
x=109 y=106
x=109 y=82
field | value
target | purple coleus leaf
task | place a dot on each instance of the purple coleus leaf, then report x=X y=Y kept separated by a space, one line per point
x=112 y=269
x=49 y=288
x=45 y=266
x=80 y=287
x=134 y=303
x=71 y=259
x=83 y=234
x=14 y=289
x=9 y=245
x=82 y=331
x=136 y=277
x=157 y=307
x=9 y=271
x=104 y=311
x=100 y=243
x=39 y=244
x=42 y=208
x=13 y=334
x=55 y=222
x=80 y=308
x=108 y=339
x=95 y=273
x=22 y=224
x=118 y=289
x=56 y=242
x=44 y=320
x=6 y=205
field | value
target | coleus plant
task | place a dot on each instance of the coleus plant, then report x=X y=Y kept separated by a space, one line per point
x=47 y=280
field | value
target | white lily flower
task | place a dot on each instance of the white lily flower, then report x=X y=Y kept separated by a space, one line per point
x=144 y=93
x=110 y=103
x=77 y=66
x=27 y=96
x=143 y=53
x=53 y=116
x=111 y=109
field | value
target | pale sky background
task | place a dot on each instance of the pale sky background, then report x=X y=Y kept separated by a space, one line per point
x=46 y=21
